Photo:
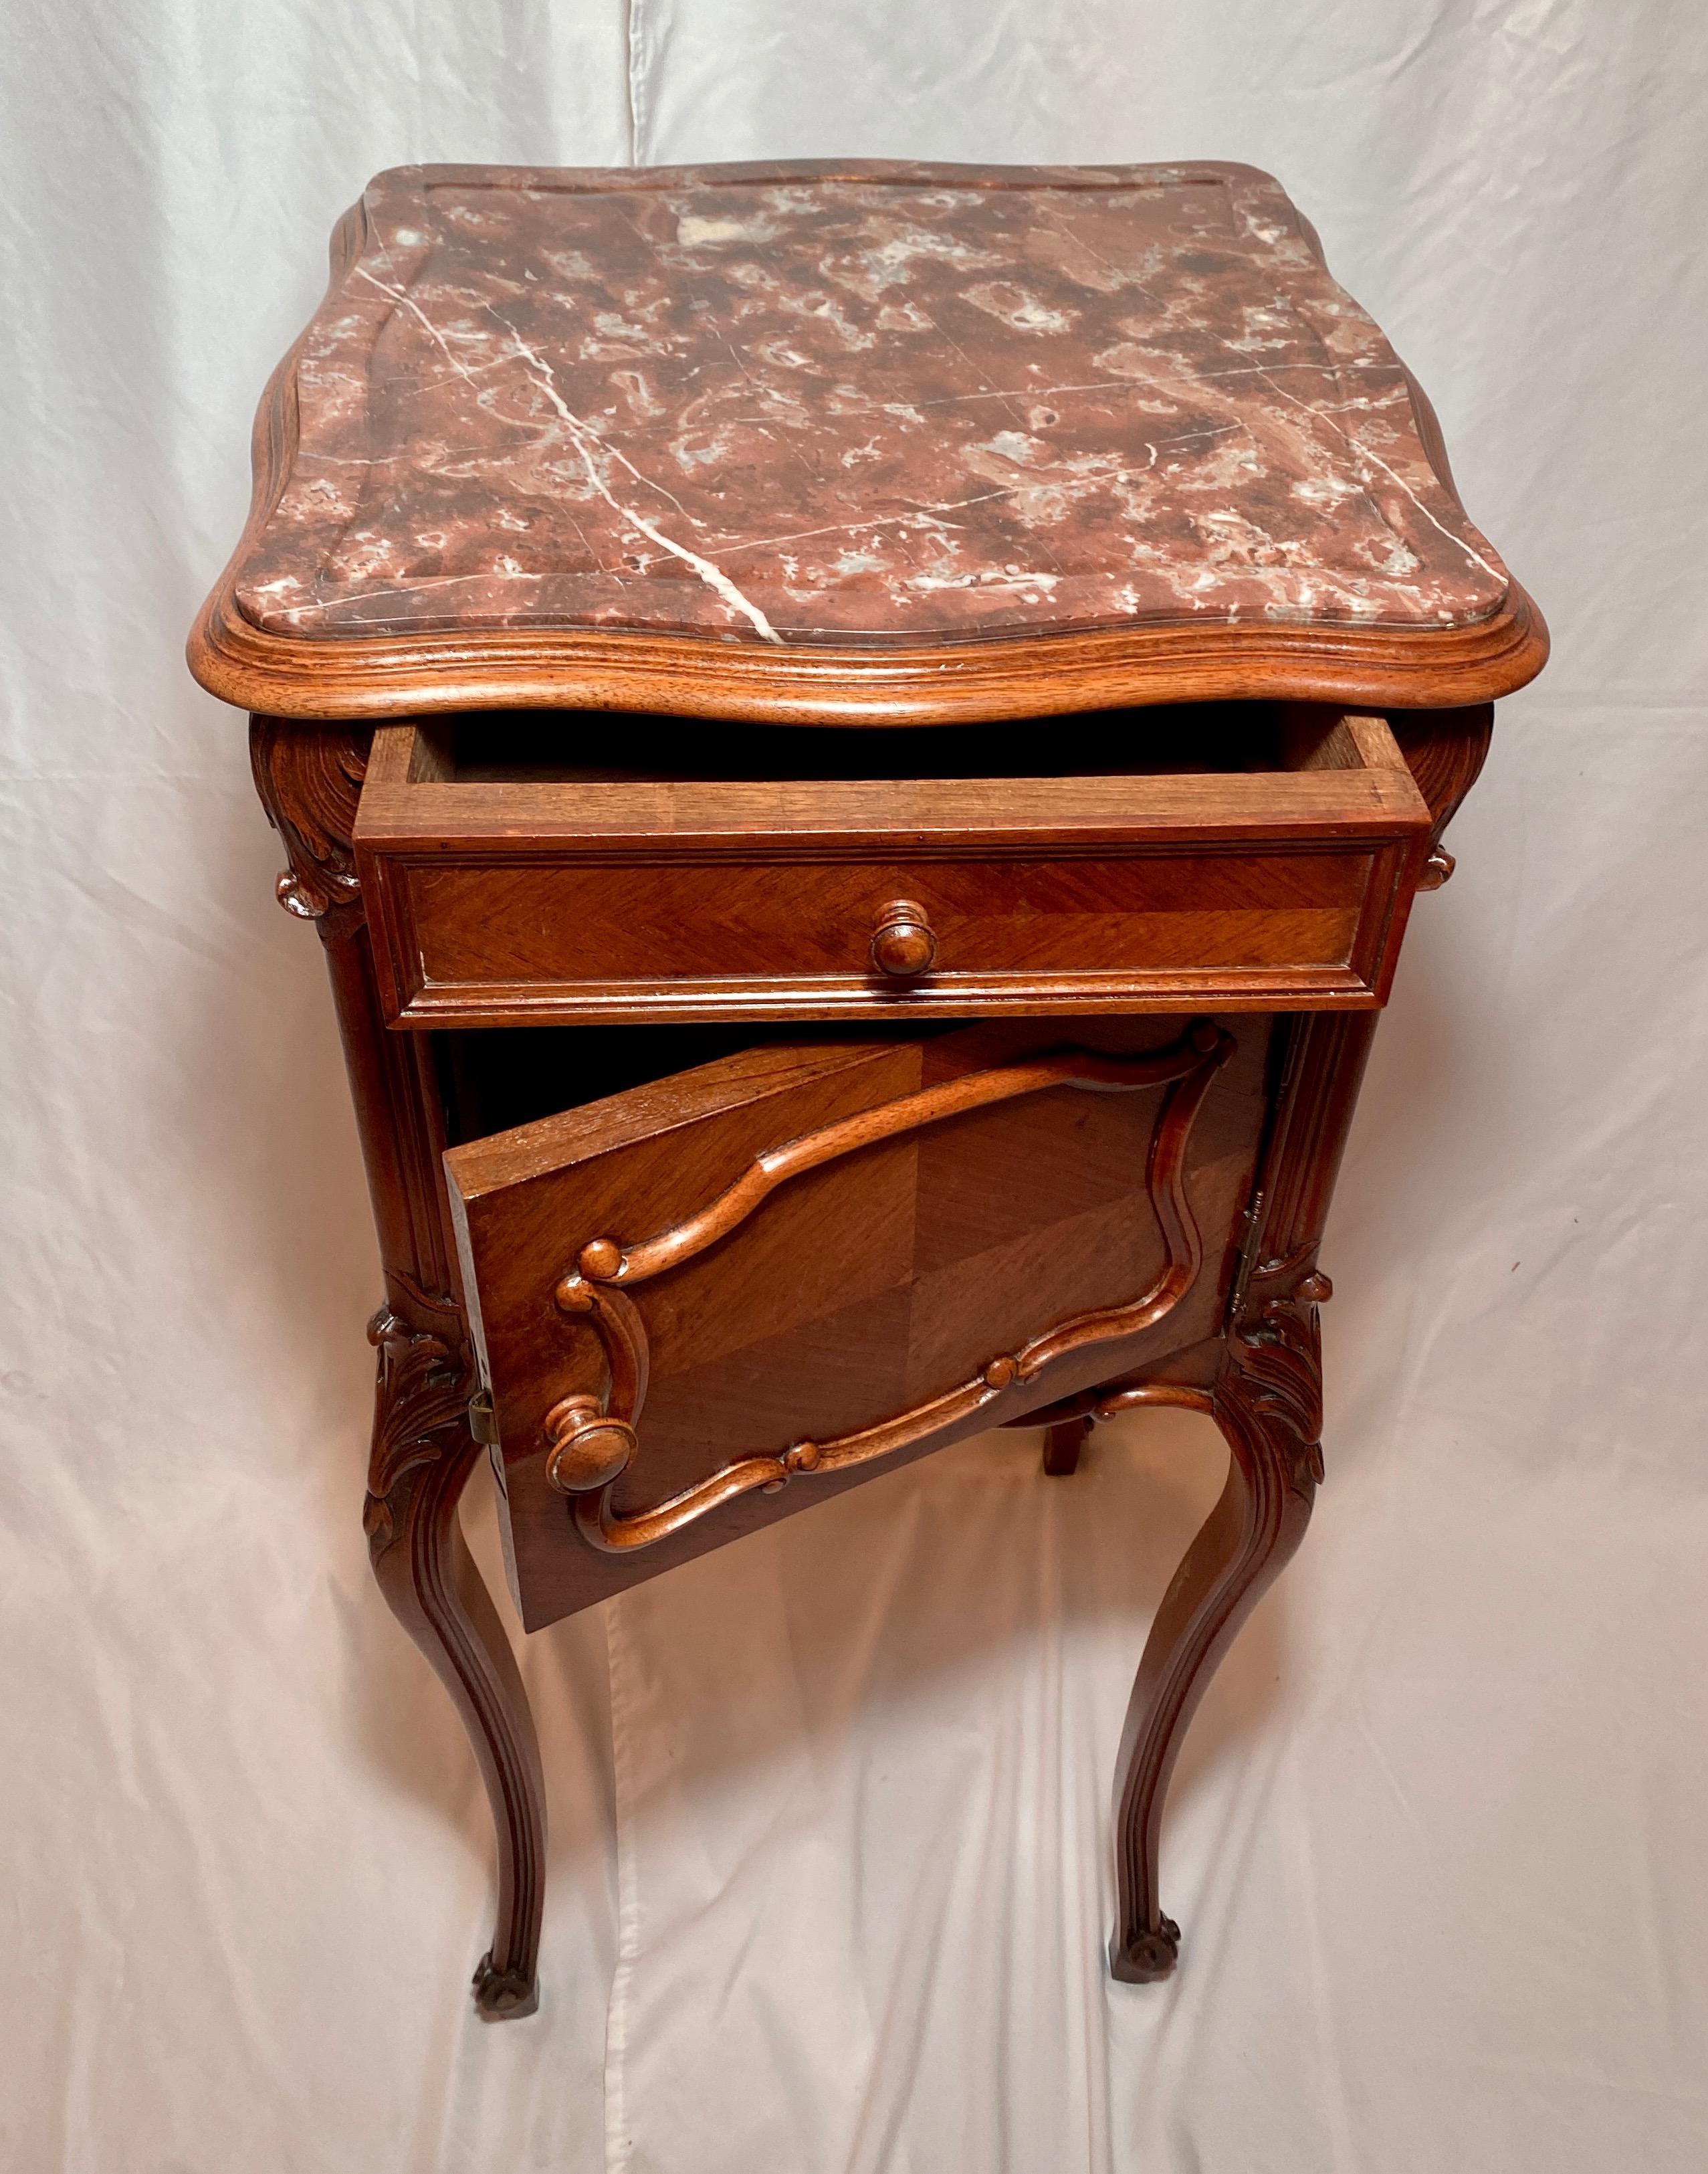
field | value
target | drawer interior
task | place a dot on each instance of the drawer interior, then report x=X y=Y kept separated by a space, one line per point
x=588 y=782
x=584 y=747
x=492 y=1079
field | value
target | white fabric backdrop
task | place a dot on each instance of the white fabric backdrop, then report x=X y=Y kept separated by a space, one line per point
x=829 y=1860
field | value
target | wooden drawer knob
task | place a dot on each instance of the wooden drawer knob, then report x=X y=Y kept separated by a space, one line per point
x=589 y=1447
x=903 y=944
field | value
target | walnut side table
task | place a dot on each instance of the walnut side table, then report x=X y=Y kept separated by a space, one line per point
x=861 y=738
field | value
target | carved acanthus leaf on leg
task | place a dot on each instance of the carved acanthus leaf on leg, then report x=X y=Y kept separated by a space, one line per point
x=1276 y=1363
x=420 y=1413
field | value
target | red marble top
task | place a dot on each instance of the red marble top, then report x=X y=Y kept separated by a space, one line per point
x=851 y=403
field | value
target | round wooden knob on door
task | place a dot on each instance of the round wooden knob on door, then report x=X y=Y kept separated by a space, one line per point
x=903 y=945
x=588 y=1448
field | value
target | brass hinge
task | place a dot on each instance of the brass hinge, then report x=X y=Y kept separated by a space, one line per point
x=483 y=1420
x=1250 y=1231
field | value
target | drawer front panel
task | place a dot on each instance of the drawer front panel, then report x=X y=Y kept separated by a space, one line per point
x=490 y=937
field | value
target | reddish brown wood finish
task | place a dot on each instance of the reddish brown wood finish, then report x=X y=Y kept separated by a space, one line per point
x=1062 y=1447
x=1239 y=1346
x=880 y=1303
x=956 y=1292
x=423 y=1453
x=1266 y=1395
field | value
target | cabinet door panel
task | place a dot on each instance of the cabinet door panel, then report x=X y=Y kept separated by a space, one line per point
x=707 y=1302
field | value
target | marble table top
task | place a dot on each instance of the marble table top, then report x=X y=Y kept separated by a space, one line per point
x=859 y=404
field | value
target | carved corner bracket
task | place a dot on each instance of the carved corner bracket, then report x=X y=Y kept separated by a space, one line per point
x=310 y=780
x=1445 y=750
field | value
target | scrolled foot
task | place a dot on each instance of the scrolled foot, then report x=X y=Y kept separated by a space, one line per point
x=1148 y=1954
x=500 y=1994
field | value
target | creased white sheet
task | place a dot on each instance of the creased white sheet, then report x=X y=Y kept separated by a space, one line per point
x=828 y=1866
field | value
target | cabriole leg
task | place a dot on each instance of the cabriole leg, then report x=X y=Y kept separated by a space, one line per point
x=309 y=778
x=1268 y=1401
x=422 y=1456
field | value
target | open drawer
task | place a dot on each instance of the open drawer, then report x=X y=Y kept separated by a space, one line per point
x=1255 y=857
x=705 y=1302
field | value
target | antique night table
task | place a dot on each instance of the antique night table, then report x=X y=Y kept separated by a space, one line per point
x=861 y=738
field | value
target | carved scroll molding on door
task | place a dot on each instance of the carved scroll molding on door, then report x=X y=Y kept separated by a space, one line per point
x=593 y=1441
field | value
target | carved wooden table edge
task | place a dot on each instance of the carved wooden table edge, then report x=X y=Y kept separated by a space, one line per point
x=990 y=681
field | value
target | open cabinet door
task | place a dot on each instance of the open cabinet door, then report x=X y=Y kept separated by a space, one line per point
x=706 y=1301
